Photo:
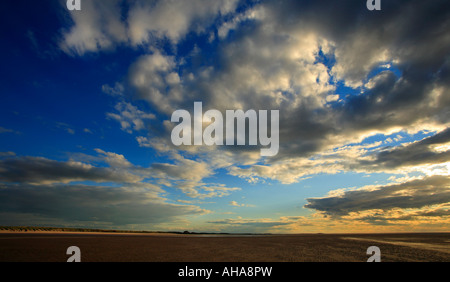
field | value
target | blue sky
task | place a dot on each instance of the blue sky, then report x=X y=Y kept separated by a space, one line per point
x=363 y=97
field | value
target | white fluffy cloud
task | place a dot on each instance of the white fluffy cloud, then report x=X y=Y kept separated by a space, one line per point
x=102 y=25
x=130 y=117
x=156 y=80
x=98 y=27
x=173 y=19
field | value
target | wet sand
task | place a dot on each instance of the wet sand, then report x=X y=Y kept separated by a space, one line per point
x=161 y=247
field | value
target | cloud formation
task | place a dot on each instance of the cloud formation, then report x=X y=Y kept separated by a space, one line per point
x=36 y=189
x=414 y=194
x=128 y=205
x=426 y=151
x=283 y=56
x=341 y=76
x=130 y=117
x=38 y=170
x=98 y=27
x=103 y=26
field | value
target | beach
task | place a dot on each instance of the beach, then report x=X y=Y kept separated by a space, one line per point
x=170 y=247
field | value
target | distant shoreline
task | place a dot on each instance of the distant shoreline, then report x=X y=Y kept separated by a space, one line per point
x=33 y=229
x=71 y=230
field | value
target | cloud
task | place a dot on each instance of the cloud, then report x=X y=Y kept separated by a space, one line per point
x=187 y=176
x=261 y=67
x=156 y=79
x=183 y=169
x=102 y=26
x=6 y=130
x=416 y=153
x=7 y=154
x=360 y=42
x=285 y=57
x=38 y=170
x=65 y=127
x=433 y=218
x=413 y=194
x=131 y=194
x=114 y=160
x=338 y=73
x=173 y=20
x=429 y=155
x=236 y=204
x=130 y=117
x=117 y=90
x=36 y=189
x=133 y=204
x=98 y=27
x=263 y=223
x=202 y=190
x=181 y=173
x=288 y=171
x=284 y=224
x=437 y=215
x=159 y=144
x=282 y=56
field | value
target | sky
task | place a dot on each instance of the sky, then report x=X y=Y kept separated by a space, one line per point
x=364 y=115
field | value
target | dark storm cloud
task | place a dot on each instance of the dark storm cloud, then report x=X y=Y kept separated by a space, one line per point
x=117 y=206
x=42 y=170
x=32 y=191
x=412 y=194
x=416 y=153
x=415 y=34
x=249 y=67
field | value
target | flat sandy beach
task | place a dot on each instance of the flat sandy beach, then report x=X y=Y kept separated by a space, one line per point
x=169 y=247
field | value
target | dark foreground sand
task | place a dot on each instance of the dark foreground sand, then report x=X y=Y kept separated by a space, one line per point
x=98 y=247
